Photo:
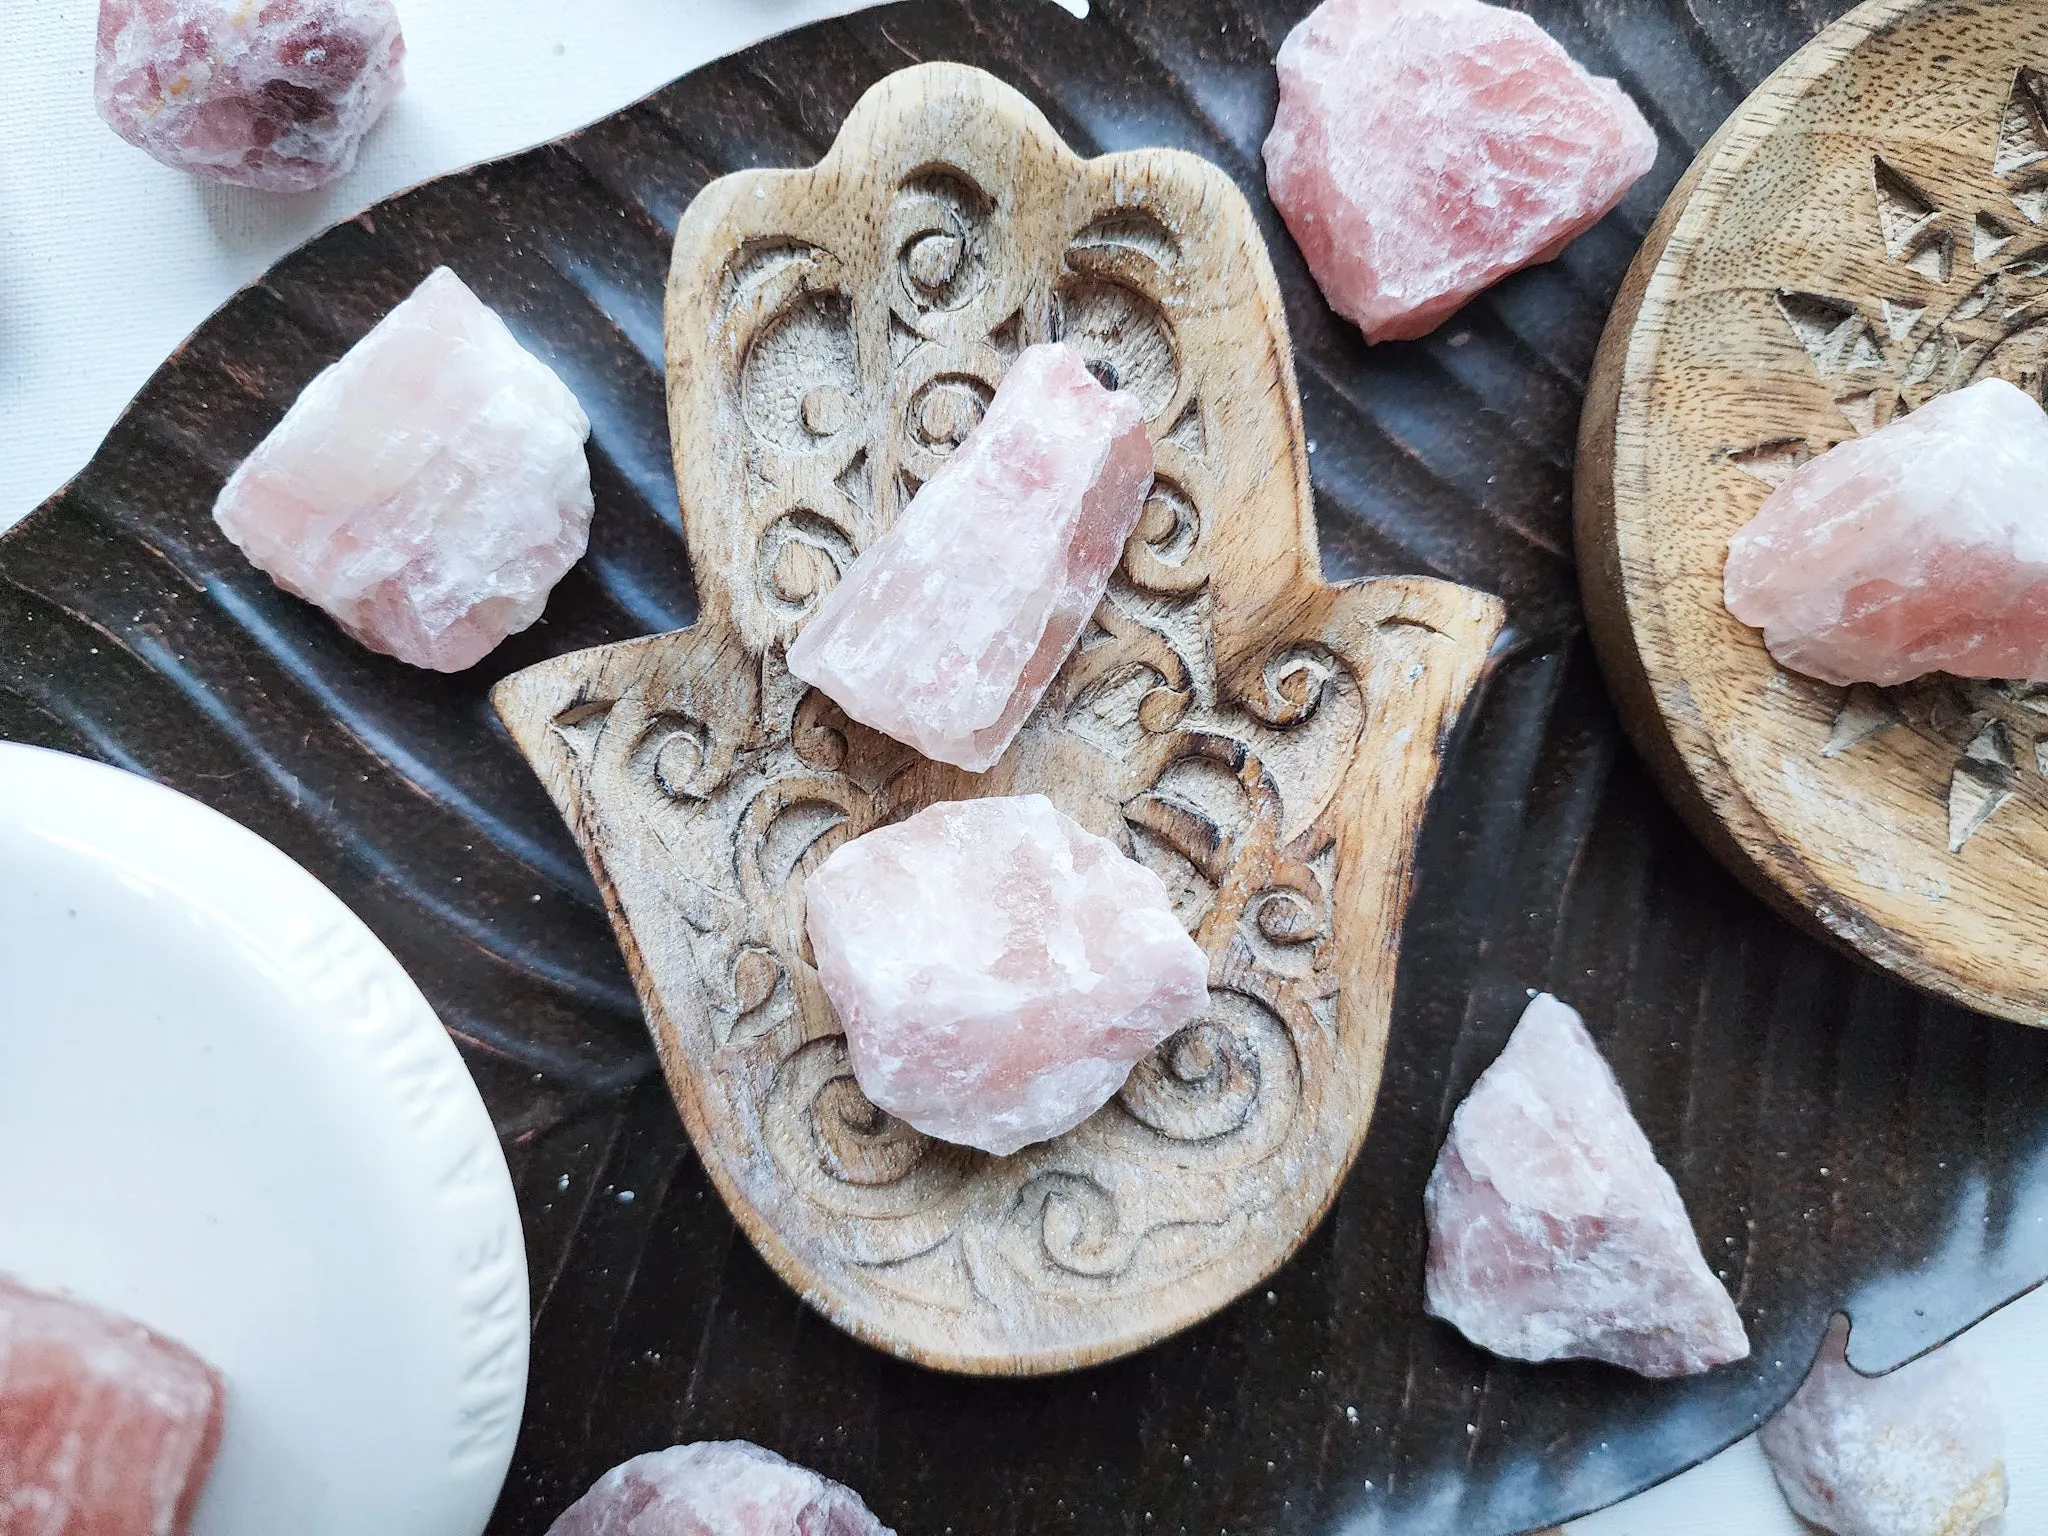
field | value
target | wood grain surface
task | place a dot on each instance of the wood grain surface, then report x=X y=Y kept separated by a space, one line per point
x=1870 y=230
x=1840 y=1139
x=1263 y=742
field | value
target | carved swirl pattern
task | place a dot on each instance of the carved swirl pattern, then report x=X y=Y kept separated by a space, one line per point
x=848 y=405
x=1204 y=1082
x=831 y=354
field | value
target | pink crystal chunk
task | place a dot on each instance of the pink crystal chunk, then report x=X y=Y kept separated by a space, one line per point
x=1919 y=1450
x=1553 y=1231
x=716 y=1488
x=106 y=1429
x=275 y=95
x=428 y=490
x=947 y=630
x=998 y=968
x=1922 y=547
x=1424 y=149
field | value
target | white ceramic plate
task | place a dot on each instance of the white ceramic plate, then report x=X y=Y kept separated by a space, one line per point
x=226 y=1111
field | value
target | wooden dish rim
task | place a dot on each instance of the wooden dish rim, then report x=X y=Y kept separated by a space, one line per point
x=1624 y=608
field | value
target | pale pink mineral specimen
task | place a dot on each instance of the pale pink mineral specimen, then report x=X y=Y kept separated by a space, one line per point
x=428 y=490
x=1922 y=547
x=946 y=632
x=272 y=94
x=1553 y=1231
x=106 y=1429
x=1920 y=1452
x=998 y=968
x=1424 y=149
x=716 y=1488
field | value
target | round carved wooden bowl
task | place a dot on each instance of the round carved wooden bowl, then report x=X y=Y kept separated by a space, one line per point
x=1869 y=230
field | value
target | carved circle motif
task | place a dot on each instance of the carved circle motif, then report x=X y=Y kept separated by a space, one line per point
x=933 y=260
x=801 y=557
x=938 y=229
x=859 y=1143
x=798 y=366
x=1161 y=555
x=1292 y=683
x=936 y=396
x=818 y=733
x=825 y=410
x=947 y=409
x=754 y=975
x=1205 y=1081
x=679 y=755
x=1288 y=917
x=677 y=761
x=1078 y=1227
x=846 y=1156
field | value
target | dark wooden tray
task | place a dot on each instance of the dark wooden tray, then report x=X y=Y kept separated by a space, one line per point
x=1840 y=1139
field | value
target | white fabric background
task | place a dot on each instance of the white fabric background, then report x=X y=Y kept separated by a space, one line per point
x=107 y=261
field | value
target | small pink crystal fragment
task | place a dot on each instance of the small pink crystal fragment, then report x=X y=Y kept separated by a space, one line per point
x=106 y=1429
x=998 y=968
x=1920 y=1452
x=1922 y=547
x=716 y=1488
x=428 y=490
x=1424 y=149
x=272 y=94
x=1553 y=1231
x=946 y=632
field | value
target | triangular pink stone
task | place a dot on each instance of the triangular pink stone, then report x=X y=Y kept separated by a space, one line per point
x=1554 y=1233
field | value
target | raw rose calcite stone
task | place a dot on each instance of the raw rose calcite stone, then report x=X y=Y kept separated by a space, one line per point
x=1553 y=1231
x=272 y=94
x=716 y=1488
x=1922 y=547
x=1424 y=149
x=106 y=1429
x=428 y=490
x=998 y=968
x=946 y=632
x=1920 y=1452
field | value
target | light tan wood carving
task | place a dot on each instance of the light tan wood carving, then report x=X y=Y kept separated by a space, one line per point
x=1265 y=742
x=1869 y=230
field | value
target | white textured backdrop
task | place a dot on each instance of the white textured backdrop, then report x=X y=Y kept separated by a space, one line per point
x=107 y=261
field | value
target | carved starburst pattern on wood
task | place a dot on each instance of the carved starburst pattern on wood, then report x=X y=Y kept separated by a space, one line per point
x=1968 y=301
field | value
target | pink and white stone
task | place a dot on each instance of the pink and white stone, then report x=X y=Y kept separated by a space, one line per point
x=428 y=490
x=946 y=632
x=1424 y=149
x=998 y=968
x=1922 y=547
x=716 y=1488
x=271 y=94
x=1554 y=1233
x=106 y=1428
x=1919 y=1452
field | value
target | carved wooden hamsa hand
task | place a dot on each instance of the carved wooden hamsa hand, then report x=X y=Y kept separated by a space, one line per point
x=1264 y=742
